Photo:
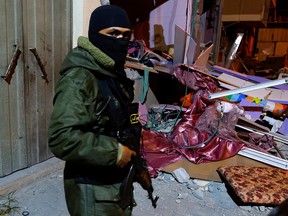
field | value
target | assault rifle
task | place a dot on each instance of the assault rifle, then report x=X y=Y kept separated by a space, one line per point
x=129 y=134
x=131 y=137
x=140 y=174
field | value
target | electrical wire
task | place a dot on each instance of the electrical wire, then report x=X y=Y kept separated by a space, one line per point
x=209 y=138
x=160 y=119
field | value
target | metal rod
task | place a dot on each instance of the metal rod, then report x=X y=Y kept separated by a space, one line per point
x=11 y=67
x=249 y=88
x=280 y=139
x=264 y=157
x=44 y=74
x=264 y=133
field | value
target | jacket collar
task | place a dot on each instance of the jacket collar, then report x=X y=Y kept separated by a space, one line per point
x=95 y=52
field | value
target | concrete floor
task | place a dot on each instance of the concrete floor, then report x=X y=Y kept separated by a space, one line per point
x=38 y=191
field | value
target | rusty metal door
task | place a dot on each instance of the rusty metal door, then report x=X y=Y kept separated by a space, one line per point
x=47 y=39
x=12 y=128
x=35 y=36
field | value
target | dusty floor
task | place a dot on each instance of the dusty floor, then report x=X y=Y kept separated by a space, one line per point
x=43 y=196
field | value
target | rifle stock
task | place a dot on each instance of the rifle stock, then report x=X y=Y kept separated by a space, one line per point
x=141 y=176
x=126 y=191
x=131 y=137
x=144 y=179
x=128 y=132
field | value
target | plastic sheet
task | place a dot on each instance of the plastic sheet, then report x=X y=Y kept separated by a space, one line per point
x=203 y=134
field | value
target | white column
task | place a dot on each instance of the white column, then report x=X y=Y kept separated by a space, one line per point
x=77 y=29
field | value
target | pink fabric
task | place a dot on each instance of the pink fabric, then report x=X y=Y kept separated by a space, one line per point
x=205 y=138
x=198 y=136
x=202 y=135
x=159 y=151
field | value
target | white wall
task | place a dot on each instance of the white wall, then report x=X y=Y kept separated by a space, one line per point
x=168 y=15
x=82 y=10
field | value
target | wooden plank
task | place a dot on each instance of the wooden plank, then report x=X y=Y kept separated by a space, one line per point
x=139 y=66
x=281 y=48
x=208 y=171
x=216 y=78
x=272 y=35
x=238 y=10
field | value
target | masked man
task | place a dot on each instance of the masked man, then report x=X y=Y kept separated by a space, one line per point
x=91 y=100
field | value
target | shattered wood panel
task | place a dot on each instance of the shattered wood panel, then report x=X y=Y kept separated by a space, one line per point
x=47 y=40
x=273 y=34
x=265 y=49
x=281 y=48
x=282 y=34
x=264 y=34
x=272 y=42
x=12 y=129
x=237 y=10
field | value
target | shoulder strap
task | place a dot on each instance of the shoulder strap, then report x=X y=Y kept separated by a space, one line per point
x=118 y=105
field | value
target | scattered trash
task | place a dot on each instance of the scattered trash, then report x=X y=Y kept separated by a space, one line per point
x=181 y=175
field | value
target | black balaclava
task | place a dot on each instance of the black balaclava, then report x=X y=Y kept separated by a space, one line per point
x=104 y=17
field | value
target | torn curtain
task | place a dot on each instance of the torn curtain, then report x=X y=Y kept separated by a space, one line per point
x=203 y=134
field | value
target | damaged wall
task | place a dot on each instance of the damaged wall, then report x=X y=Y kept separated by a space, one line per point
x=272 y=42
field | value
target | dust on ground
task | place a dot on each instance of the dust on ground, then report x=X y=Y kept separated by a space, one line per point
x=45 y=197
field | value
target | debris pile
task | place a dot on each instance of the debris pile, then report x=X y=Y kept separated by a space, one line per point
x=220 y=114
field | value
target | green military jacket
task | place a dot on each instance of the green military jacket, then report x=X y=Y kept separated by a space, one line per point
x=77 y=101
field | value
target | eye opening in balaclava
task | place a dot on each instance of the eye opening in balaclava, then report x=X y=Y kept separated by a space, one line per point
x=104 y=17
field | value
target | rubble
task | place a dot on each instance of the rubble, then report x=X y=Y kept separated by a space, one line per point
x=192 y=201
x=196 y=126
x=45 y=196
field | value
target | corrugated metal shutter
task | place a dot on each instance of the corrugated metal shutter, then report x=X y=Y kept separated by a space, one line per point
x=46 y=28
x=41 y=29
x=12 y=130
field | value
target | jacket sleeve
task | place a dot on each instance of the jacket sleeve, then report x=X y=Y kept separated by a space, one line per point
x=74 y=105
